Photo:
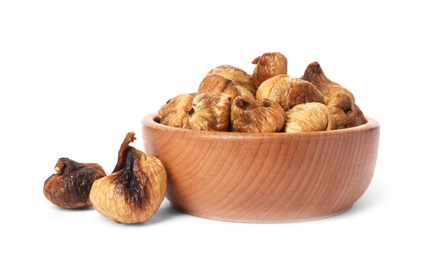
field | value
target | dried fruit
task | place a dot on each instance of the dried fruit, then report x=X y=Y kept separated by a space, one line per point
x=345 y=111
x=219 y=83
x=309 y=117
x=256 y=116
x=211 y=112
x=205 y=111
x=314 y=74
x=247 y=93
x=136 y=188
x=268 y=65
x=289 y=91
x=69 y=188
x=176 y=111
x=238 y=76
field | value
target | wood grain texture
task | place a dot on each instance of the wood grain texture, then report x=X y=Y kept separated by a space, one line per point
x=276 y=177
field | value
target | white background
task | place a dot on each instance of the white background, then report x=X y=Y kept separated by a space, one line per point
x=76 y=76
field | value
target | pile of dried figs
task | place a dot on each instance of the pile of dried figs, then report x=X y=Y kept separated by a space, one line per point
x=264 y=101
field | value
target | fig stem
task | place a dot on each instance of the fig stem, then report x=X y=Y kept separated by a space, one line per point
x=130 y=137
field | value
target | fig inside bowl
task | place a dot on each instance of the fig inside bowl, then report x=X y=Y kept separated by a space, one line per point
x=264 y=177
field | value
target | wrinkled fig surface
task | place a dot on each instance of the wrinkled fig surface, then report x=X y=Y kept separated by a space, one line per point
x=219 y=83
x=136 y=188
x=315 y=75
x=346 y=112
x=309 y=117
x=256 y=116
x=268 y=65
x=177 y=110
x=238 y=76
x=289 y=91
x=70 y=187
x=208 y=111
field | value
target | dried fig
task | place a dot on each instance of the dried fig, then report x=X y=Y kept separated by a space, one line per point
x=289 y=91
x=256 y=116
x=136 y=188
x=309 y=117
x=69 y=188
x=211 y=111
x=314 y=74
x=268 y=65
x=345 y=111
x=176 y=111
x=205 y=111
x=238 y=76
x=219 y=83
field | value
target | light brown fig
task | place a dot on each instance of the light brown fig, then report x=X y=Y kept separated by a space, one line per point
x=346 y=112
x=268 y=65
x=218 y=83
x=208 y=111
x=256 y=116
x=289 y=91
x=211 y=112
x=314 y=74
x=309 y=117
x=69 y=188
x=135 y=190
x=238 y=76
x=176 y=111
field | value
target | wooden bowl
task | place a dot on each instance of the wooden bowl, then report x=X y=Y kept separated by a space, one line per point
x=268 y=178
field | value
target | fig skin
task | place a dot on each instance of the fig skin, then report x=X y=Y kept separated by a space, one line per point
x=207 y=111
x=268 y=65
x=218 y=83
x=346 y=112
x=70 y=187
x=309 y=117
x=256 y=116
x=237 y=75
x=340 y=101
x=211 y=112
x=175 y=112
x=289 y=91
x=315 y=75
x=135 y=190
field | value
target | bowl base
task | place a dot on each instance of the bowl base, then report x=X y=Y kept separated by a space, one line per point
x=279 y=219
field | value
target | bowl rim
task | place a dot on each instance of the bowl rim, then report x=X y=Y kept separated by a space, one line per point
x=149 y=121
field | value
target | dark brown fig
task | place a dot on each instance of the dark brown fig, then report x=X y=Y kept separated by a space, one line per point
x=70 y=187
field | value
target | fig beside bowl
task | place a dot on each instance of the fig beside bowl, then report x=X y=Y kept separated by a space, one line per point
x=265 y=177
